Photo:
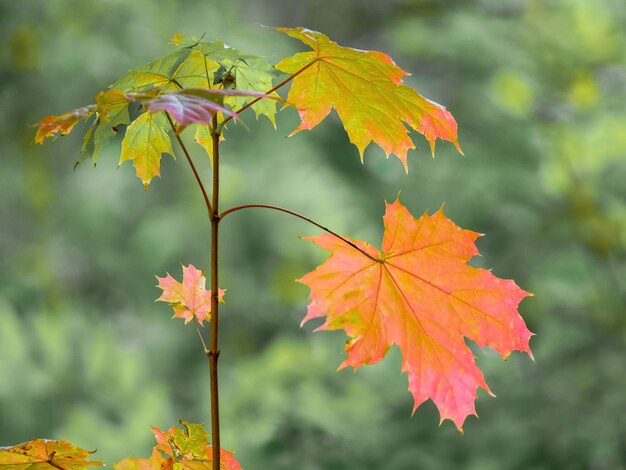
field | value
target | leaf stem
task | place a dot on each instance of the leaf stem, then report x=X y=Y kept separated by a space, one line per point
x=206 y=350
x=272 y=90
x=193 y=168
x=214 y=351
x=300 y=216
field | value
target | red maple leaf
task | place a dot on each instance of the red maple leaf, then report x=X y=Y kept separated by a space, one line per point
x=420 y=295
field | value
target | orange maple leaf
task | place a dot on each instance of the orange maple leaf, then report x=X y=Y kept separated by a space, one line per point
x=419 y=294
x=189 y=298
x=365 y=87
x=62 y=124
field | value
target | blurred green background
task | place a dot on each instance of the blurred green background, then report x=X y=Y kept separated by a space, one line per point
x=539 y=91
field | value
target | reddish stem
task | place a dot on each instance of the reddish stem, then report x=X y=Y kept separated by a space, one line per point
x=300 y=216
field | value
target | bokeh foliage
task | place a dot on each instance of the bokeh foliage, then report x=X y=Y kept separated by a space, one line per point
x=539 y=90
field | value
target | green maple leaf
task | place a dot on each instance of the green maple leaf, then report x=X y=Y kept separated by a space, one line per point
x=252 y=74
x=230 y=68
x=112 y=111
x=194 y=64
x=158 y=73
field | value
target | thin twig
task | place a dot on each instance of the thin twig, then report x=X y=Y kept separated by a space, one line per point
x=300 y=216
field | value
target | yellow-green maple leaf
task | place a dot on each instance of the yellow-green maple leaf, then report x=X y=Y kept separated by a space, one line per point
x=366 y=90
x=43 y=454
x=158 y=73
x=144 y=142
x=205 y=139
x=213 y=61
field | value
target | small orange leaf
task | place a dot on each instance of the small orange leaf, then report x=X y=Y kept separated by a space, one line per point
x=421 y=296
x=62 y=124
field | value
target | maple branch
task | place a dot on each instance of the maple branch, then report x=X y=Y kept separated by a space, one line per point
x=300 y=216
x=272 y=90
x=193 y=168
x=214 y=351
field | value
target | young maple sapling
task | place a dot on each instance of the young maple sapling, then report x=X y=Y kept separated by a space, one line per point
x=417 y=292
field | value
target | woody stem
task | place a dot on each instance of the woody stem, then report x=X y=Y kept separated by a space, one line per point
x=214 y=351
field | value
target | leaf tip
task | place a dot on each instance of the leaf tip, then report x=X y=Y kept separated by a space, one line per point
x=405 y=164
x=432 y=147
x=458 y=148
x=177 y=39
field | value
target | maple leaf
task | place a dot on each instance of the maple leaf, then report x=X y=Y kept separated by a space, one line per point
x=112 y=106
x=62 y=124
x=204 y=138
x=111 y=111
x=419 y=294
x=155 y=462
x=189 y=298
x=42 y=454
x=234 y=70
x=189 y=83
x=190 y=105
x=144 y=142
x=205 y=64
x=252 y=73
x=158 y=73
x=366 y=90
